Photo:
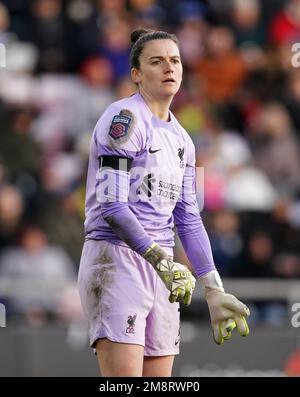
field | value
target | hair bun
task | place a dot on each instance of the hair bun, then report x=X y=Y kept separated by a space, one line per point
x=137 y=33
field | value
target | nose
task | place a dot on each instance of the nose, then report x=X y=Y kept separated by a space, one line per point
x=169 y=67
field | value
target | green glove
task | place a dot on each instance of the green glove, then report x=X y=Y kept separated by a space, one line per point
x=226 y=311
x=177 y=278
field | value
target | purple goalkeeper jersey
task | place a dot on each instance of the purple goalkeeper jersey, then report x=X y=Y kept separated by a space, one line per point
x=160 y=152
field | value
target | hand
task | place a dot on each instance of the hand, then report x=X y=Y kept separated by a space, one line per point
x=177 y=278
x=226 y=311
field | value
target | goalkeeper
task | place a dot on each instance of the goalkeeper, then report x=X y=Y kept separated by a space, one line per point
x=140 y=184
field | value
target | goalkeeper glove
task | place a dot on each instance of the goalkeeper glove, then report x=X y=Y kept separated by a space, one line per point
x=176 y=277
x=226 y=311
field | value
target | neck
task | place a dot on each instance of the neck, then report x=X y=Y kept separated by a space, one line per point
x=160 y=108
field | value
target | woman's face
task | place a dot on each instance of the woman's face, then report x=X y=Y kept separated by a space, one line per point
x=160 y=72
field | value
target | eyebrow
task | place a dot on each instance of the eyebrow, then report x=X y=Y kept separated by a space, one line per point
x=161 y=57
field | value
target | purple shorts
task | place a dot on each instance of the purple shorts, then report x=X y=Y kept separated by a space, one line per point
x=125 y=300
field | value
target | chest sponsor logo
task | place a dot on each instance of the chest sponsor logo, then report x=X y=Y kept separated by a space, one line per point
x=168 y=190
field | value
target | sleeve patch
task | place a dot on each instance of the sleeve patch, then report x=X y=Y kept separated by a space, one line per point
x=119 y=127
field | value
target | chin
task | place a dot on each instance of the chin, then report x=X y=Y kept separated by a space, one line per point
x=169 y=92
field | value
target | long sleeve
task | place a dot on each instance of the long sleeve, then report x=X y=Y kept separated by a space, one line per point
x=117 y=140
x=190 y=228
x=116 y=212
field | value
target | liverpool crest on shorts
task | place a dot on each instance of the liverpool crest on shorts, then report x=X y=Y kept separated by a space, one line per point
x=131 y=324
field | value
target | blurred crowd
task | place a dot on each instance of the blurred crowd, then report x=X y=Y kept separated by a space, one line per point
x=67 y=60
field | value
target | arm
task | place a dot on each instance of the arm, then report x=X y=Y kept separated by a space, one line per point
x=226 y=311
x=114 y=204
x=190 y=228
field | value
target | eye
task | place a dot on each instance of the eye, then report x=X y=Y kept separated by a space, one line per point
x=155 y=62
x=175 y=60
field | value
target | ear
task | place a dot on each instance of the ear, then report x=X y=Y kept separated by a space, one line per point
x=135 y=75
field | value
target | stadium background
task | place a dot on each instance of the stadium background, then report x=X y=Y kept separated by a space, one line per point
x=62 y=64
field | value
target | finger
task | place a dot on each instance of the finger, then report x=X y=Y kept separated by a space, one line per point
x=228 y=336
x=237 y=306
x=226 y=333
x=217 y=334
x=193 y=282
x=227 y=328
x=172 y=297
x=188 y=297
x=230 y=325
x=246 y=311
x=242 y=325
x=223 y=329
x=180 y=291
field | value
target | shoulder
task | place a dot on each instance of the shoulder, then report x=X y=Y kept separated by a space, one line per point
x=121 y=126
x=124 y=113
x=130 y=103
x=183 y=132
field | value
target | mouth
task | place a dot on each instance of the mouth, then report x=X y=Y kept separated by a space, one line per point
x=169 y=80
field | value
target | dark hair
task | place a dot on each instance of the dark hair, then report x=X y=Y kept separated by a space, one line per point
x=140 y=37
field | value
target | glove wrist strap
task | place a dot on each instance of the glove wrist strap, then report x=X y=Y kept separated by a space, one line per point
x=211 y=281
x=155 y=254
